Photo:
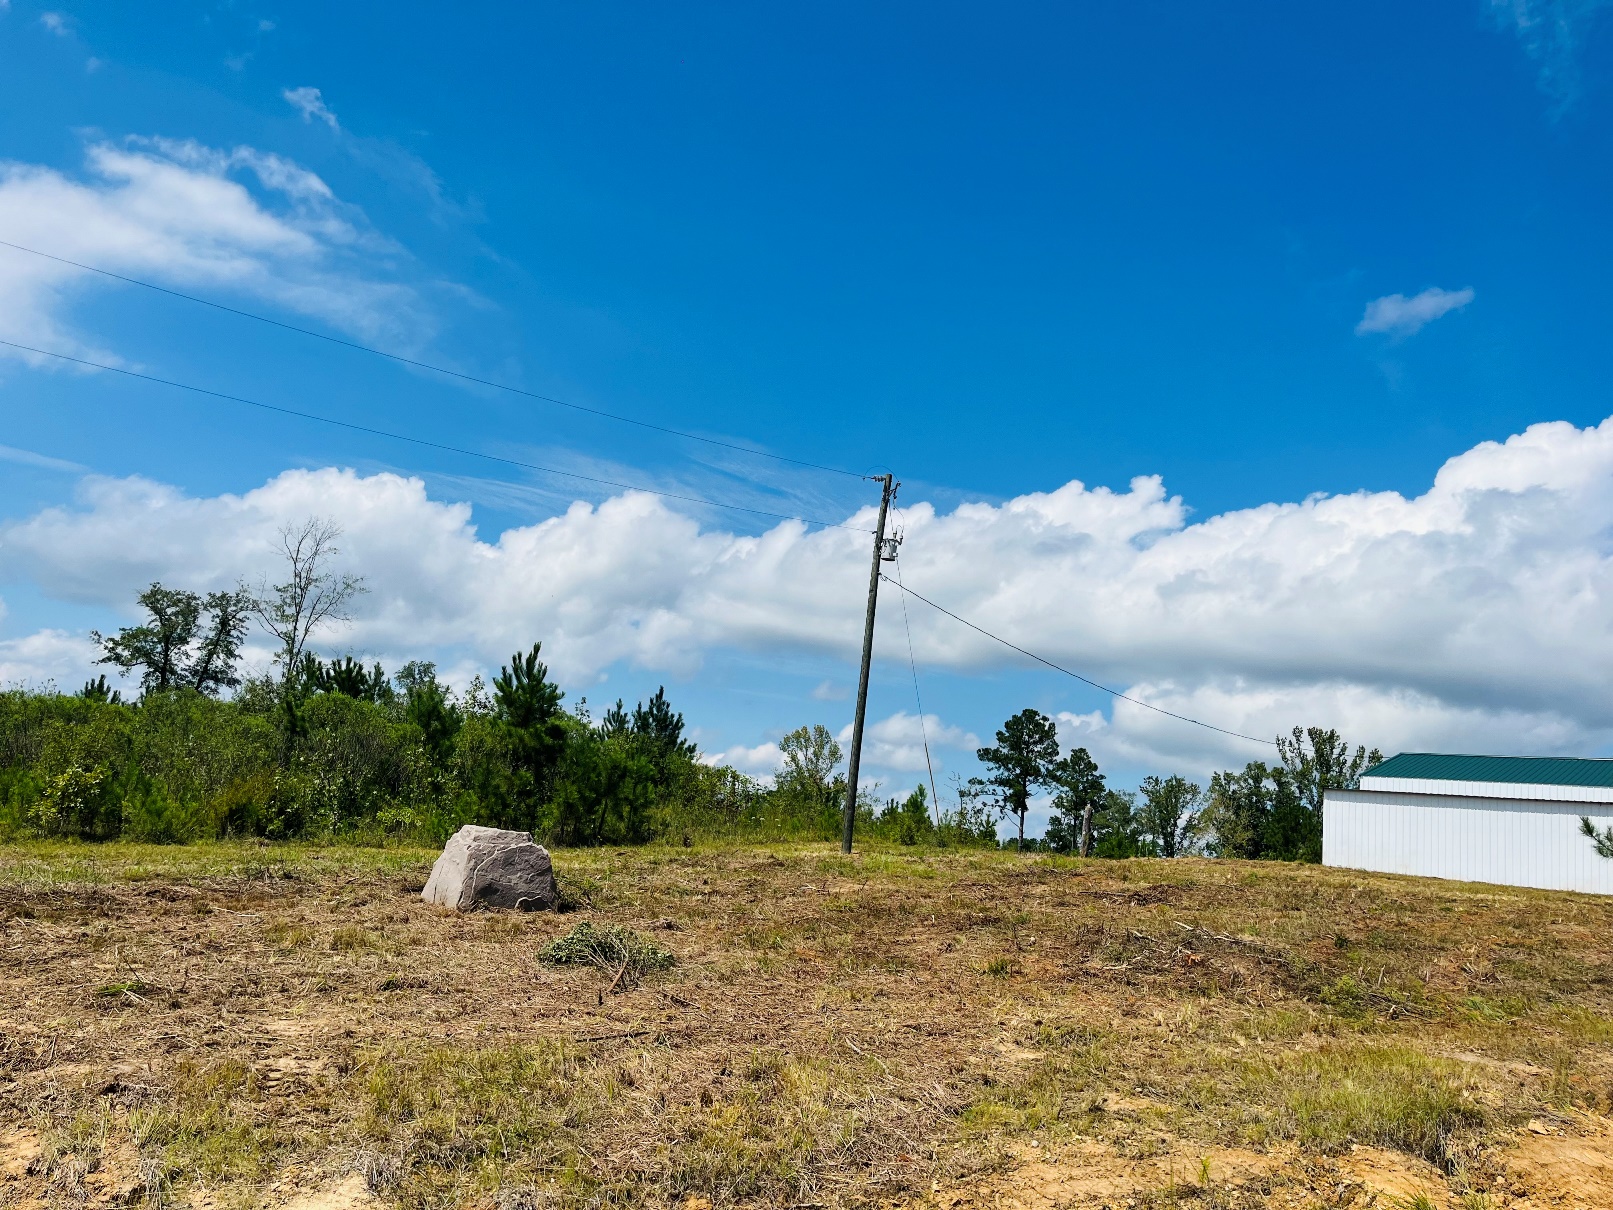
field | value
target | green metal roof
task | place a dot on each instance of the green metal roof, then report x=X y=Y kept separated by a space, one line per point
x=1525 y=770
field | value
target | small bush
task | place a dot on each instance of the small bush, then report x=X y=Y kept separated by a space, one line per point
x=618 y=951
x=151 y=815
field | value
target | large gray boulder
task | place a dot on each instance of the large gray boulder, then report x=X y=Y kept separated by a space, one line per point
x=489 y=867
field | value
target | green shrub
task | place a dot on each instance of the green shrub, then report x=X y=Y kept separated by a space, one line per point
x=613 y=948
x=152 y=815
x=80 y=803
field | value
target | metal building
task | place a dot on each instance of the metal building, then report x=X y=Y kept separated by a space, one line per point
x=1507 y=819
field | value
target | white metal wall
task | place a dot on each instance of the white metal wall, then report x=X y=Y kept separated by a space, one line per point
x=1514 y=842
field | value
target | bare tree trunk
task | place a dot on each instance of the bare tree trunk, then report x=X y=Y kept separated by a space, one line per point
x=312 y=593
x=1086 y=830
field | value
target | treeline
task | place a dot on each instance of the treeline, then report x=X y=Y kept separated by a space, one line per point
x=340 y=749
x=1262 y=812
x=337 y=748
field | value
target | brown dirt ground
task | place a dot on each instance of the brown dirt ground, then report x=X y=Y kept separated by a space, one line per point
x=230 y=1026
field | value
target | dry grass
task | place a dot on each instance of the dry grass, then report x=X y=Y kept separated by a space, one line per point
x=240 y=1019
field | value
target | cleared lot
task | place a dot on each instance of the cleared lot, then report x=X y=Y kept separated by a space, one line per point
x=241 y=1025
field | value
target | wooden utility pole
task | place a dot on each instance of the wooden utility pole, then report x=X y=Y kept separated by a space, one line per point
x=855 y=763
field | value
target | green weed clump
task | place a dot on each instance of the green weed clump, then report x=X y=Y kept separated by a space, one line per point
x=613 y=948
x=1384 y=1096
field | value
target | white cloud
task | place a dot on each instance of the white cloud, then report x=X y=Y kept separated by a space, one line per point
x=1397 y=719
x=760 y=762
x=309 y=103
x=47 y=657
x=187 y=215
x=897 y=742
x=830 y=691
x=1477 y=615
x=1397 y=315
x=59 y=24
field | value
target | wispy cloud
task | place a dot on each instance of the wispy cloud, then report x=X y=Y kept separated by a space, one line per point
x=9 y=453
x=57 y=23
x=188 y=215
x=1397 y=315
x=309 y=103
x=1552 y=32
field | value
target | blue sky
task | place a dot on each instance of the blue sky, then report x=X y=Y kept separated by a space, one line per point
x=995 y=251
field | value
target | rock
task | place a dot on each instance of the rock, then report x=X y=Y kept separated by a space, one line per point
x=489 y=867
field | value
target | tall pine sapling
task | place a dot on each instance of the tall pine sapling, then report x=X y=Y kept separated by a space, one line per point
x=614 y=721
x=527 y=708
x=350 y=678
x=428 y=705
x=659 y=729
x=99 y=691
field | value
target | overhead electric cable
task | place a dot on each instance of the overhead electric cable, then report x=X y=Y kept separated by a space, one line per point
x=435 y=445
x=426 y=365
x=1115 y=693
x=923 y=730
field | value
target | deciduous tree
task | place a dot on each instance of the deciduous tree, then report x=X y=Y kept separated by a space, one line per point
x=1169 y=813
x=312 y=594
x=186 y=642
x=1319 y=760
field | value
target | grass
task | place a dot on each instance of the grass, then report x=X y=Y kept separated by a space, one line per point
x=819 y=1029
x=1384 y=1096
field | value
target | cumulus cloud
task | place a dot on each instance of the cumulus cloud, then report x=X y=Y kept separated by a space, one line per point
x=46 y=657
x=760 y=762
x=184 y=214
x=309 y=103
x=1478 y=614
x=1397 y=315
x=897 y=742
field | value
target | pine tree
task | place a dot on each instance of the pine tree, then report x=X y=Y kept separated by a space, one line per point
x=1027 y=747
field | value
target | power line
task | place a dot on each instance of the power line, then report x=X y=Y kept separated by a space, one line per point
x=435 y=445
x=912 y=663
x=426 y=365
x=1115 y=693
